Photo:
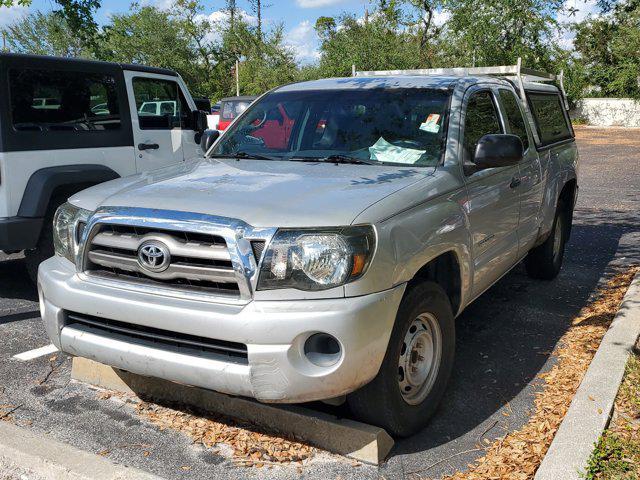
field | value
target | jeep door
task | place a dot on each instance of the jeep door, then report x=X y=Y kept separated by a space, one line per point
x=493 y=202
x=164 y=134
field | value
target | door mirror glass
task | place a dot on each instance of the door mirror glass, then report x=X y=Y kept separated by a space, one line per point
x=498 y=150
x=208 y=138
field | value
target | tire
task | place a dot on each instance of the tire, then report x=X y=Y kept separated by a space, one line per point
x=545 y=261
x=44 y=247
x=382 y=402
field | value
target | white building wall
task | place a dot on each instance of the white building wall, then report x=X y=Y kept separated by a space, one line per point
x=607 y=112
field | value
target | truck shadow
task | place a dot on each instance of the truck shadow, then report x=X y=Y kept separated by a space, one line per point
x=505 y=338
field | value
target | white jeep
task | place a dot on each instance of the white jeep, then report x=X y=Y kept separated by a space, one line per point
x=68 y=124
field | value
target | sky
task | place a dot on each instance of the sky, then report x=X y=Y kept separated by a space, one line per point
x=298 y=16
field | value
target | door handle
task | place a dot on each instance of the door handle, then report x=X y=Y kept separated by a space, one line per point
x=148 y=146
x=515 y=182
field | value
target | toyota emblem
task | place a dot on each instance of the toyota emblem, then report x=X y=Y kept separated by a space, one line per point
x=154 y=256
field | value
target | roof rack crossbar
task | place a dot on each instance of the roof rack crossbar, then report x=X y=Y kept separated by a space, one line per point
x=521 y=74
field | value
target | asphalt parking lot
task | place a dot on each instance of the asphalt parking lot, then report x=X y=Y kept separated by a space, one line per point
x=504 y=342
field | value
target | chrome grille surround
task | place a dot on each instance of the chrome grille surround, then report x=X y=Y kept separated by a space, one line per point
x=239 y=266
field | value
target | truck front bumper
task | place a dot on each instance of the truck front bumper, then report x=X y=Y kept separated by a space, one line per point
x=19 y=233
x=276 y=368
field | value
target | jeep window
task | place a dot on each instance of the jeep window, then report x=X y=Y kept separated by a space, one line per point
x=379 y=126
x=481 y=119
x=515 y=120
x=551 y=121
x=60 y=101
x=160 y=105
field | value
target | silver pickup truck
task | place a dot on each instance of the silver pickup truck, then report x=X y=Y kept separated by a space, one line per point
x=325 y=245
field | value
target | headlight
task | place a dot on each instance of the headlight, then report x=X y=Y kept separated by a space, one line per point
x=64 y=229
x=316 y=259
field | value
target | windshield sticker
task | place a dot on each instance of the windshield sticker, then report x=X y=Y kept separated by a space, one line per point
x=431 y=123
x=384 y=151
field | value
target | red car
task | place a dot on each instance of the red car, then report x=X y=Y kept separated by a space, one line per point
x=231 y=107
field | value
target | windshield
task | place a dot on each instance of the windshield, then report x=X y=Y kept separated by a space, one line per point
x=378 y=126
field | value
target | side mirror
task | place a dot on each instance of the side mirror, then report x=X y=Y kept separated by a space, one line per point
x=208 y=139
x=199 y=120
x=498 y=150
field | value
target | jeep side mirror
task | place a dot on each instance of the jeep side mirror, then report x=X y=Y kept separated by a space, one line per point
x=498 y=150
x=208 y=138
x=199 y=120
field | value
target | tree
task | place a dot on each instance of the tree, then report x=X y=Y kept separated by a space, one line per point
x=380 y=42
x=608 y=47
x=426 y=29
x=257 y=6
x=497 y=32
x=45 y=34
x=77 y=13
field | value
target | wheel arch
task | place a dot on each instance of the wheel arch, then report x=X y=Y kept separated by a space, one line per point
x=444 y=269
x=51 y=182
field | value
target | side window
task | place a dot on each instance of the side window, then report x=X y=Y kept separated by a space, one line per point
x=63 y=101
x=514 y=116
x=549 y=116
x=160 y=105
x=481 y=119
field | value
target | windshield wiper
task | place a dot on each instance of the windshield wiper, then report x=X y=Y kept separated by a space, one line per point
x=243 y=155
x=336 y=159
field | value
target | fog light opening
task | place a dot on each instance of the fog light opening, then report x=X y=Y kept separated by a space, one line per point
x=322 y=349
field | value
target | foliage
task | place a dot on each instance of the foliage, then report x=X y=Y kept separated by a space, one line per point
x=609 y=48
x=77 y=13
x=497 y=32
x=374 y=43
x=393 y=34
x=46 y=34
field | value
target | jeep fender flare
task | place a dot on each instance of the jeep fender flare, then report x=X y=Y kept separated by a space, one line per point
x=44 y=182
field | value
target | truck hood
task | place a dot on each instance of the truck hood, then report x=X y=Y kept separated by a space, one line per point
x=262 y=193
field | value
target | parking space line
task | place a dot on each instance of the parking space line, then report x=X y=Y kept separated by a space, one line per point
x=38 y=352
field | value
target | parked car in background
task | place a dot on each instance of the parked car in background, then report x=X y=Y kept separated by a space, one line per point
x=231 y=107
x=325 y=246
x=68 y=124
x=214 y=119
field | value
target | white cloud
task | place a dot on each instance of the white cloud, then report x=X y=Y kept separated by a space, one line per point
x=9 y=15
x=441 y=17
x=303 y=40
x=318 y=3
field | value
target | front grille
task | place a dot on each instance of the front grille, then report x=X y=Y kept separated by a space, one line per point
x=158 y=338
x=198 y=261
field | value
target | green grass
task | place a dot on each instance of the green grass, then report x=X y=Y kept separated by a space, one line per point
x=617 y=454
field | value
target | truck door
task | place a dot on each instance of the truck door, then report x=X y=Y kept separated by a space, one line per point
x=161 y=119
x=531 y=185
x=493 y=202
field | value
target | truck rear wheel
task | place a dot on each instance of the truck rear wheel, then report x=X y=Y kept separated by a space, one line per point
x=416 y=367
x=545 y=261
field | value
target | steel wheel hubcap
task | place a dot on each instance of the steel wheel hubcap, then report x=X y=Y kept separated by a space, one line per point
x=419 y=358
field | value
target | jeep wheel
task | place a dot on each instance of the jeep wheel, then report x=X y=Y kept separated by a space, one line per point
x=44 y=248
x=416 y=368
x=545 y=261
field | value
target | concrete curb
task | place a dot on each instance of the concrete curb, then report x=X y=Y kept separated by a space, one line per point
x=49 y=459
x=356 y=440
x=592 y=406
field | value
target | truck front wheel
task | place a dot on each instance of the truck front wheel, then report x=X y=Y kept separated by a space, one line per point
x=545 y=261
x=416 y=367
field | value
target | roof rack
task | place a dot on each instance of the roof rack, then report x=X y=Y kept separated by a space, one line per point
x=521 y=74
